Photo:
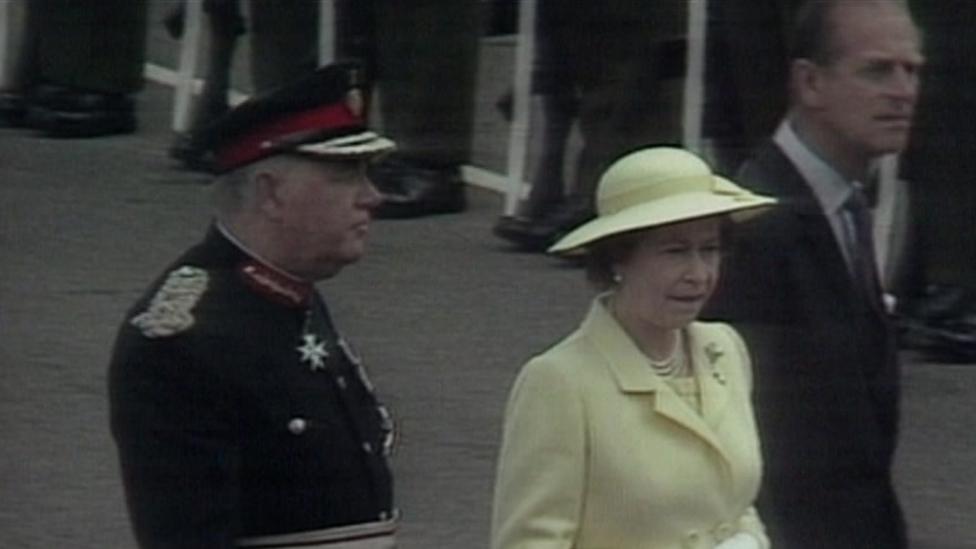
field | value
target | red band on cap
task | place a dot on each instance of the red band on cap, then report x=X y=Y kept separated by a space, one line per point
x=255 y=144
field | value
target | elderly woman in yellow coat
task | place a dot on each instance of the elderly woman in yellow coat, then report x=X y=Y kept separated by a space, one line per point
x=637 y=430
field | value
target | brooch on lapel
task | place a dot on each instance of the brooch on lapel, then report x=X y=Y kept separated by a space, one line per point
x=713 y=353
x=169 y=310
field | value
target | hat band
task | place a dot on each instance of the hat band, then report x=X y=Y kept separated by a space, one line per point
x=609 y=205
x=259 y=142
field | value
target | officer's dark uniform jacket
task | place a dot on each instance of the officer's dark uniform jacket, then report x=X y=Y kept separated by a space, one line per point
x=242 y=418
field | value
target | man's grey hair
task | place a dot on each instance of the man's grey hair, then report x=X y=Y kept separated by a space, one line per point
x=234 y=190
x=812 y=35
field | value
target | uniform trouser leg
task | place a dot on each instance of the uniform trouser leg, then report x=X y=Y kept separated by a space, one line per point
x=427 y=64
x=548 y=188
x=611 y=127
x=630 y=83
x=939 y=160
x=94 y=45
x=225 y=25
x=284 y=41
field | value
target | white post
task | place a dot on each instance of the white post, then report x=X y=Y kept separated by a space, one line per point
x=5 y=35
x=519 y=132
x=693 y=102
x=189 y=60
x=326 y=32
x=890 y=201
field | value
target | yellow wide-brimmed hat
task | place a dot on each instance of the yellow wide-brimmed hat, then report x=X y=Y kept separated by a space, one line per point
x=658 y=186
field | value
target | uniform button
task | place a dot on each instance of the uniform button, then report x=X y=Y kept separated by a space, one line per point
x=341 y=380
x=384 y=515
x=368 y=448
x=297 y=426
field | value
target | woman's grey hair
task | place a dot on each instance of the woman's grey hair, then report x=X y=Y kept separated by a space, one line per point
x=605 y=254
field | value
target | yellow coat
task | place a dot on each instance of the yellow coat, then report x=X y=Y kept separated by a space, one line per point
x=598 y=452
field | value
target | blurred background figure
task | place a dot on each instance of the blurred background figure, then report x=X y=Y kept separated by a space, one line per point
x=283 y=37
x=746 y=74
x=78 y=69
x=941 y=319
x=555 y=96
x=421 y=54
x=225 y=24
x=425 y=57
x=618 y=66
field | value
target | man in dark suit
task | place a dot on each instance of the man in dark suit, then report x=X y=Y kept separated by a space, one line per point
x=242 y=416
x=803 y=288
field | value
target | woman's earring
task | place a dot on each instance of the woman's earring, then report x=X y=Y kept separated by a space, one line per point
x=617 y=279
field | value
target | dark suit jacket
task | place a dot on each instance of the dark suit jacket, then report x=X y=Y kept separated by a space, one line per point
x=826 y=371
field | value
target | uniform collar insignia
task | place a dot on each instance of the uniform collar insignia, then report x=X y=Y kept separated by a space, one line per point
x=274 y=284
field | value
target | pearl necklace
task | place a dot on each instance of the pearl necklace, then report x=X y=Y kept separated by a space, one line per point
x=673 y=364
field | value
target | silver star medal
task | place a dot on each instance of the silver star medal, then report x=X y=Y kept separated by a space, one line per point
x=313 y=351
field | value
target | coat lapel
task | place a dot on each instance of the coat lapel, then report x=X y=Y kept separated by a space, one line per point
x=633 y=374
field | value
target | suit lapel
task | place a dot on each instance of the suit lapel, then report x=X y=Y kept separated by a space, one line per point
x=633 y=375
x=813 y=230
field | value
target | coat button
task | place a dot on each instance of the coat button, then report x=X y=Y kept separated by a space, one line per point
x=297 y=426
x=368 y=448
x=341 y=380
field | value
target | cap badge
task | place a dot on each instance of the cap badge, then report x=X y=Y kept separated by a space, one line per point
x=312 y=351
x=169 y=311
x=355 y=102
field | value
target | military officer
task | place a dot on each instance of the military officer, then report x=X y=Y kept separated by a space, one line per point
x=243 y=417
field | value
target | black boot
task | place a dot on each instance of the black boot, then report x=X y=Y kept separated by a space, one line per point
x=59 y=111
x=412 y=189
x=13 y=110
x=537 y=234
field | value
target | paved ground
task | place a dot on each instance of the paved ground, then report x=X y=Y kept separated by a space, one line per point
x=443 y=313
